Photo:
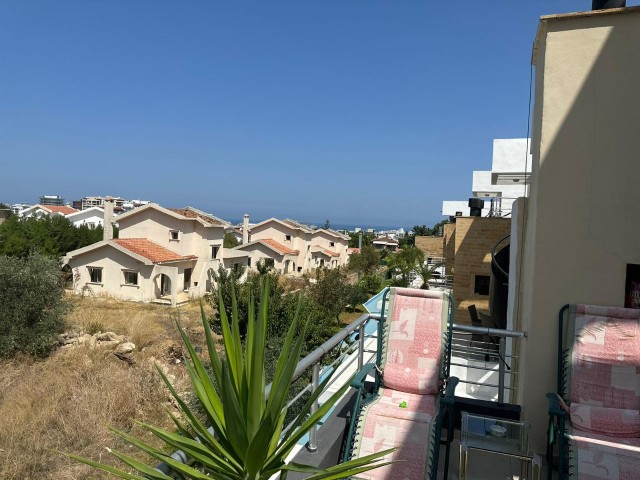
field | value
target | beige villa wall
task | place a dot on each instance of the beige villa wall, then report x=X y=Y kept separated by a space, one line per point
x=340 y=245
x=431 y=246
x=113 y=262
x=193 y=239
x=449 y=246
x=258 y=252
x=156 y=226
x=277 y=232
x=583 y=220
x=475 y=237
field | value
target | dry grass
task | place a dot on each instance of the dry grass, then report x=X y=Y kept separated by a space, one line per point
x=66 y=402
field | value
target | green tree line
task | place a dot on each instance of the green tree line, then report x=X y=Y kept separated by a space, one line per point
x=51 y=235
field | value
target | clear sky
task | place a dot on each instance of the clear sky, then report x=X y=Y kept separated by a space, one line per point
x=356 y=111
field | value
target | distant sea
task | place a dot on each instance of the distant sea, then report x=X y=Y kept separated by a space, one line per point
x=340 y=226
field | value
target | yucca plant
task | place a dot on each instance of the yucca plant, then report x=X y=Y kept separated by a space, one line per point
x=248 y=441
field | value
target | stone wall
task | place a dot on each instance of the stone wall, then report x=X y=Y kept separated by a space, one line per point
x=432 y=247
x=474 y=239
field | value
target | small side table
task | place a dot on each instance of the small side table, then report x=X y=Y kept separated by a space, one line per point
x=499 y=437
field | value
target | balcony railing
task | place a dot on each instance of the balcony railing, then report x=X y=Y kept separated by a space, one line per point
x=356 y=344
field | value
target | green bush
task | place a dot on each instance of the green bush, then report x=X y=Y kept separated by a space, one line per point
x=371 y=284
x=32 y=304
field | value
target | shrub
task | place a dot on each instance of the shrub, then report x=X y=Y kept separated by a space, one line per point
x=371 y=284
x=32 y=304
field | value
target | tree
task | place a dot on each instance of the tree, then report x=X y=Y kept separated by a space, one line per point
x=331 y=291
x=327 y=224
x=230 y=240
x=248 y=439
x=371 y=284
x=32 y=304
x=404 y=261
x=427 y=272
x=365 y=262
x=51 y=235
x=424 y=231
x=354 y=239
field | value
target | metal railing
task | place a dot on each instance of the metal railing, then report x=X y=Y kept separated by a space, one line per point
x=314 y=361
x=461 y=348
x=488 y=350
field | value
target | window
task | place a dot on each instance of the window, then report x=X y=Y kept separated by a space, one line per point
x=287 y=238
x=333 y=244
x=91 y=224
x=95 y=273
x=249 y=262
x=299 y=269
x=214 y=251
x=174 y=235
x=481 y=284
x=130 y=278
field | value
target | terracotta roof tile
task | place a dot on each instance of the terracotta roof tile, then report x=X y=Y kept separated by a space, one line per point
x=331 y=253
x=193 y=213
x=64 y=210
x=279 y=247
x=150 y=250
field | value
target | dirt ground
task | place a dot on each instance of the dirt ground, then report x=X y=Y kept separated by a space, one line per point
x=66 y=403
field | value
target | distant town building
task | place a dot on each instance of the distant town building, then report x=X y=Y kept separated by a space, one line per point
x=16 y=208
x=55 y=200
x=39 y=211
x=89 y=202
x=385 y=243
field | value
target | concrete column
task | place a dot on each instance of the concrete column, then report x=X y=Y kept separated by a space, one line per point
x=245 y=229
x=108 y=219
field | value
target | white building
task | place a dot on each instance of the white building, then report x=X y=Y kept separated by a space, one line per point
x=499 y=187
x=91 y=217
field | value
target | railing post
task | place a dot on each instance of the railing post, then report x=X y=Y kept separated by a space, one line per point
x=361 y=347
x=501 y=371
x=312 y=445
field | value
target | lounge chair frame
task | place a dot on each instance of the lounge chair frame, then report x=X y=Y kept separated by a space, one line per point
x=446 y=393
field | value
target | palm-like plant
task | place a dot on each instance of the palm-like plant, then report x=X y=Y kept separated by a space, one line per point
x=426 y=273
x=248 y=441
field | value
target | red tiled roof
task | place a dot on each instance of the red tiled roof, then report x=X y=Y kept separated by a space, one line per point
x=64 y=210
x=279 y=247
x=189 y=213
x=150 y=250
x=331 y=253
x=354 y=250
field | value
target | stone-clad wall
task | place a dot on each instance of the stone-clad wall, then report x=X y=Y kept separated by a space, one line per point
x=431 y=246
x=475 y=237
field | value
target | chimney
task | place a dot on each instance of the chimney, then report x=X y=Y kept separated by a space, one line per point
x=245 y=229
x=108 y=219
x=604 y=4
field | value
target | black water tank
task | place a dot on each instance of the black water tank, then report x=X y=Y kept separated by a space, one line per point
x=476 y=203
x=475 y=207
x=604 y=4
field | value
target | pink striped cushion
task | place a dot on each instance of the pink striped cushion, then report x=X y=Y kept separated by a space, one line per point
x=387 y=425
x=598 y=457
x=605 y=370
x=414 y=346
x=614 y=422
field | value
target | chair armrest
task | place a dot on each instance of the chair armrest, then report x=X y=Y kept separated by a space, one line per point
x=358 y=380
x=555 y=405
x=450 y=390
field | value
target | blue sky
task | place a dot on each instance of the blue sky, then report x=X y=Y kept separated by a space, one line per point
x=362 y=112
